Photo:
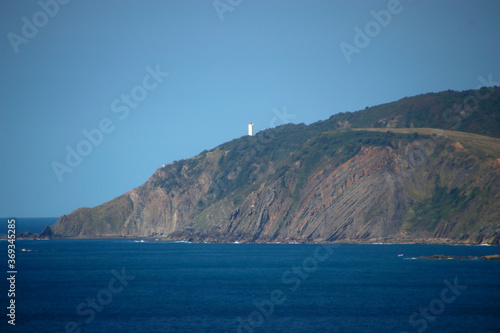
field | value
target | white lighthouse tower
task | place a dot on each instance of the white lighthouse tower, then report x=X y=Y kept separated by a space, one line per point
x=250 y=129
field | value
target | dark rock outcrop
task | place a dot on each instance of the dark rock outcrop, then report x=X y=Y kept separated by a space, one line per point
x=46 y=233
x=441 y=257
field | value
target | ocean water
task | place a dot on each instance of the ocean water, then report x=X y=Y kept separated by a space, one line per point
x=133 y=286
x=28 y=224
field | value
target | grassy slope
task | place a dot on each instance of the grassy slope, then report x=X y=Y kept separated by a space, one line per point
x=484 y=144
x=444 y=110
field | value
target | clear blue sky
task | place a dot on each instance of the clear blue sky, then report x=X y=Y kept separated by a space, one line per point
x=262 y=56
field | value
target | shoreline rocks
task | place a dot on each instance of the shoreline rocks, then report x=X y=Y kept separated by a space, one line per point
x=442 y=256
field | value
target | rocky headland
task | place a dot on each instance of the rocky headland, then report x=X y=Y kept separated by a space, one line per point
x=401 y=172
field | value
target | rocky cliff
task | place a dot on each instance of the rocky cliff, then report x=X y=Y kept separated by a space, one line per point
x=328 y=181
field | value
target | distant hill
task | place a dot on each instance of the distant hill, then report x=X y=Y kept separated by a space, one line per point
x=29 y=224
x=421 y=169
x=472 y=111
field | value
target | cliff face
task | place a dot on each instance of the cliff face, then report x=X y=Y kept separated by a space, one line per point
x=376 y=192
x=302 y=183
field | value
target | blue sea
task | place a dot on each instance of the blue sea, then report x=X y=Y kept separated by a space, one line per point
x=134 y=286
x=28 y=224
